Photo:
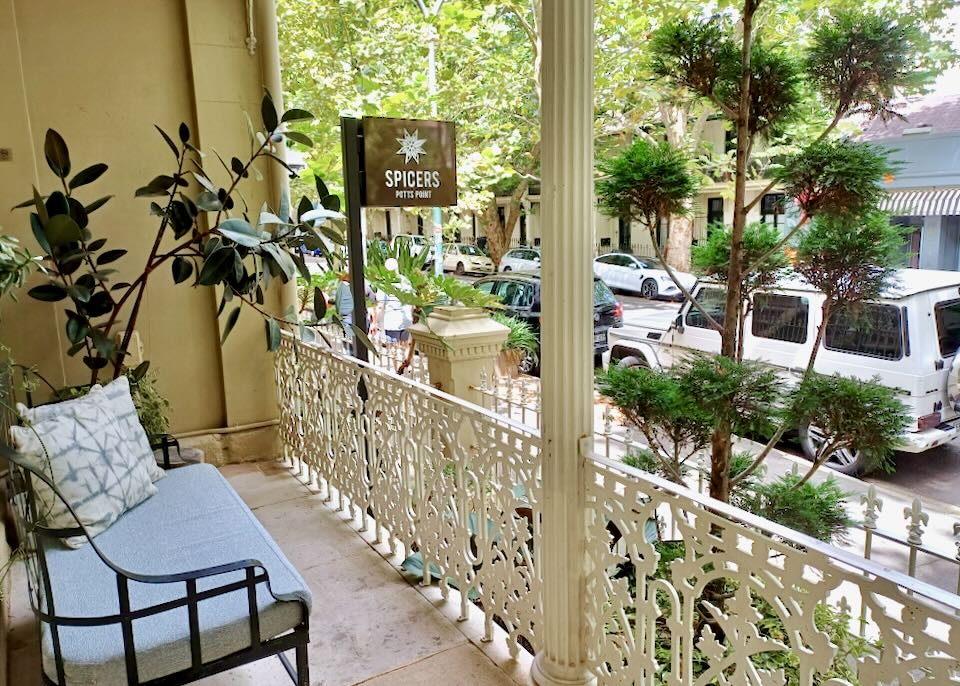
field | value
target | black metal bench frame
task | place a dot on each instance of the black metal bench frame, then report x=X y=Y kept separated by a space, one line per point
x=32 y=533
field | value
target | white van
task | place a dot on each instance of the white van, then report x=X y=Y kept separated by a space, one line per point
x=908 y=340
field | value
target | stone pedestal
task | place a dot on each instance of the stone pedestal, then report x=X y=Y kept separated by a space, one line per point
x=460 y=343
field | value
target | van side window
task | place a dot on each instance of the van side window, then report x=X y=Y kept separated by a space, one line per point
x=872 y=330
x=948 y=327
x=714 y=301
x=780 y=317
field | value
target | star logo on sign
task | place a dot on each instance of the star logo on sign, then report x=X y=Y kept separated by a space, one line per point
x=411 y=146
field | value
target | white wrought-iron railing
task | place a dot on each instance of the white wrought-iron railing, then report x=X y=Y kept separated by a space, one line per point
x=766 y=596
x=438 y=478
x=460 y=487
x=519 y=399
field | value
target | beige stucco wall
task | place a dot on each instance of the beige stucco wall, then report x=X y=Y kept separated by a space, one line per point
x=102 y=73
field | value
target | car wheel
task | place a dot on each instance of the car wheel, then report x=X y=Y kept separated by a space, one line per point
x=649 y=289
x=507 y=269
x=850 y=462
x=633 y=361
x=527 y=365
x=460 y=270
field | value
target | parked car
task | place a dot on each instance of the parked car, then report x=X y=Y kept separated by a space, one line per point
x=416 y=242
x=907 y=340
x=520 y=295
x=520 y=260
x=462 y=258
x=644 y=275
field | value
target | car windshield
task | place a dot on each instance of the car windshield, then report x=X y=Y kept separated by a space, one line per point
x=652 y=262
x=601 y=294
x=470 y=250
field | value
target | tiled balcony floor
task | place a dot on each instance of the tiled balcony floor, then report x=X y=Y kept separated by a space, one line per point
x=370 y=624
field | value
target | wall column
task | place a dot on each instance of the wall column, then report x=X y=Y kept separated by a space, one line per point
x=567 y=332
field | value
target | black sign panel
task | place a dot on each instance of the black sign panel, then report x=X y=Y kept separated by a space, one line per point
x=409 y=162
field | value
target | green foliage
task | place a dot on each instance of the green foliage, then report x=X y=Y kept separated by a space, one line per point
x=153 y=409
x=850 y=258
x=816 y=510
x=860 y=60
x=841 y=178
x=16 y=264
x=760 y=250
x=521 y=338
x=856 y=415
x=208 y=234
x=701 y=55
x=646 y=182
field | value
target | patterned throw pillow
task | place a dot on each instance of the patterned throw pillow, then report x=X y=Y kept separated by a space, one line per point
x=90 y=459
x=118 y=397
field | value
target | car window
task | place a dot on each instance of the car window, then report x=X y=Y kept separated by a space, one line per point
x=485 y=286
x=469 y=250
x=872 y=330
x=533 y=255
x=515 y=254
x=714 y=301
x=602 y=295
x=780 y=317
x=516 y=294
x=650 y=263
x=607 y=259
x=452 y=250
x=948 y=326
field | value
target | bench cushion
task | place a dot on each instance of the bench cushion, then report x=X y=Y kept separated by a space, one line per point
x=196 y=520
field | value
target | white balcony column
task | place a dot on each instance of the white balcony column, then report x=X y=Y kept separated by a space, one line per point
x=567 y=208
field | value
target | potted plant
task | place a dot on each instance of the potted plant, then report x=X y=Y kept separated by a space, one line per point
x=521 y=350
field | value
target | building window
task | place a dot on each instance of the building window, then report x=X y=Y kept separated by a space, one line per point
x=523 y=228
x=714 y=211
x=389 y=227
x=780 y=317
x=419 y=225
x=773 y=208
x=623 y=234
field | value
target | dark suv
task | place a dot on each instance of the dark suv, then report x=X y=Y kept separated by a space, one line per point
x=520 y=295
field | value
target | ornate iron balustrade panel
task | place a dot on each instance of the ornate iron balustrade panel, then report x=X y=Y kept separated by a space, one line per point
x=736 y=600
x=454 y=485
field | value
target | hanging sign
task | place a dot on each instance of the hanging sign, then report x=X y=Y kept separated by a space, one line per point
x=409 y=162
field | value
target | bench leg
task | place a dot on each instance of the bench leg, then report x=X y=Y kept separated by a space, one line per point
x=303 y=668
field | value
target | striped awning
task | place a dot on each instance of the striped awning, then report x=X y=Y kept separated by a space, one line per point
x=923 y=203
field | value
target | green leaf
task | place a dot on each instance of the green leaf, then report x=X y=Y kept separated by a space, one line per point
x=48 y=292
x=273 y=334
x=110 y=256
x=205 y=182
x=140 y=371
x=182 y=269
x=88 y=175
x=216 y=267
x=169 y=141
x=184 y=132
x=100 y=303
x=239 y=231
x=25 y=203
x=77 y=327
x=95 y=362
x=159 y=185
x=38 y=201
x=331 y=202
x=58 y=157
x=322 y=191
x=268 y=112
x=300 y=138
x=97 y=204
x=237 y=166
x=57 y=203
x=79 y=293
x=38 y=233
x=94 y=246
x=364 y=339
x=319 y=304
x=62 y=229
x=296 y=115
x=209 y=202
x=333 y=235
x=231 y=322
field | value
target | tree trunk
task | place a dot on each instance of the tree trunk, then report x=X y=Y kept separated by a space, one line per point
x=721 y=440
x=498 y=232
x=679 y=241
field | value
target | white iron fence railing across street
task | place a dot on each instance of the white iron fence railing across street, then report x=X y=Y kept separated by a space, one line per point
x=680 y=589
